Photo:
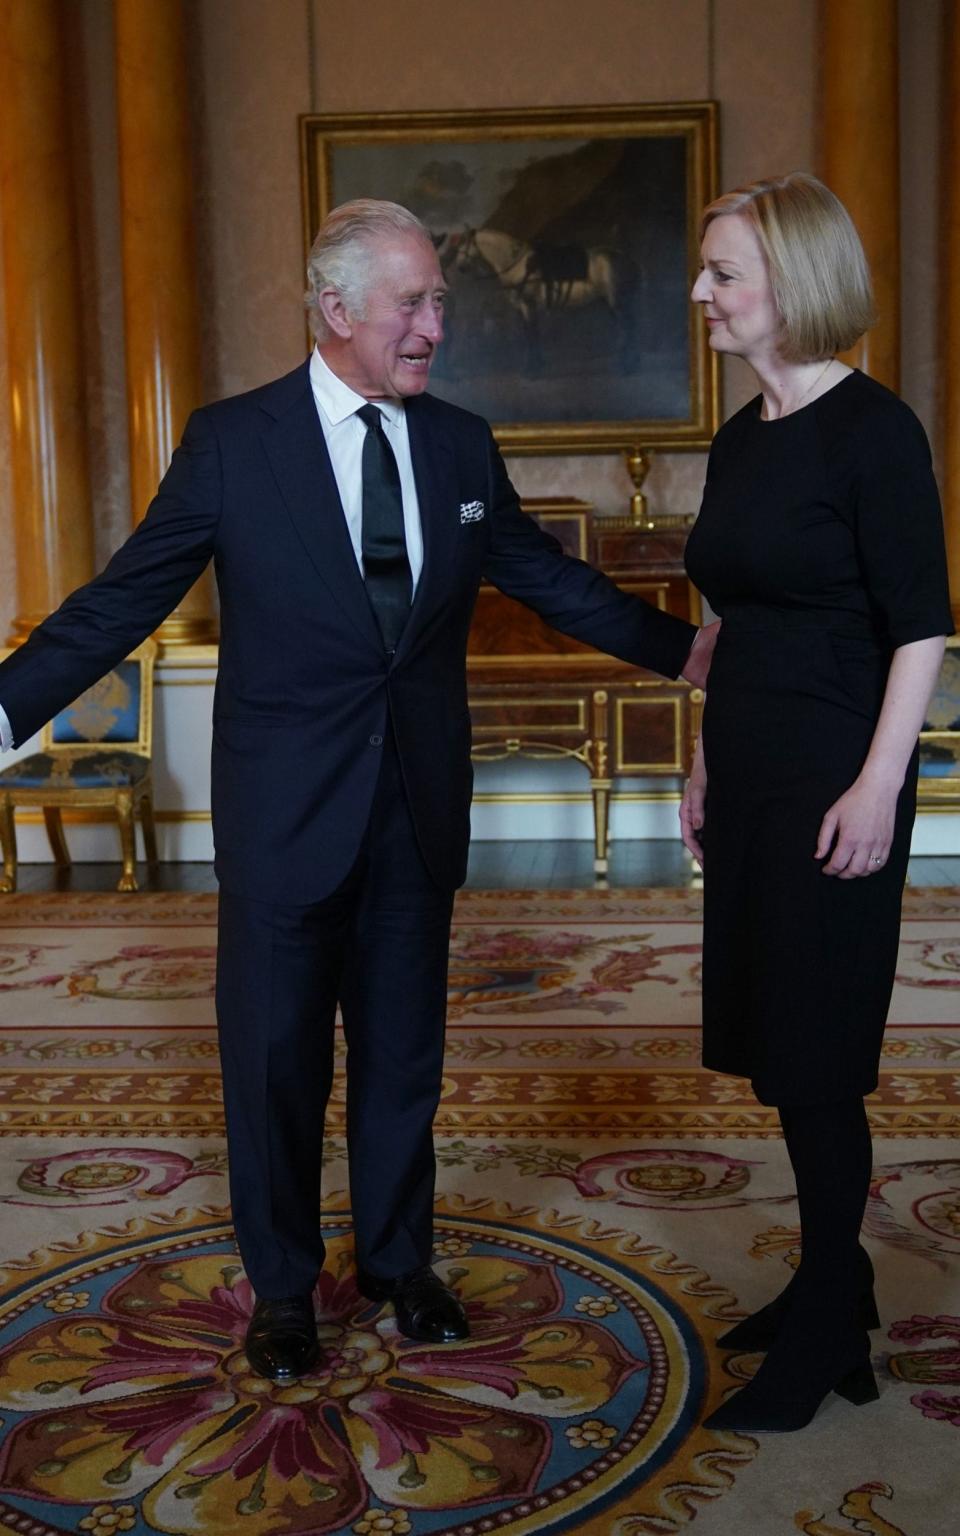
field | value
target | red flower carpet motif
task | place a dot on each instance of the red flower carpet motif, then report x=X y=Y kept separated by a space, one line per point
x=138 y=1390
x=930 y=1367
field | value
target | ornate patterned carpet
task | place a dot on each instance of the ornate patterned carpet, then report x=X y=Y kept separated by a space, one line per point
x=569 y=1011
x=605 y=1208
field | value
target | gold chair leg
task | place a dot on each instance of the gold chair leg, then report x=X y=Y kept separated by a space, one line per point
x=128 y=841
x=149 y=829
x=8 y=846
x=55 y=837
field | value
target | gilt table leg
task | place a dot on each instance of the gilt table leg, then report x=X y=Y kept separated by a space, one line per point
x=601 y=809
x=600 y=782
x=8 y=843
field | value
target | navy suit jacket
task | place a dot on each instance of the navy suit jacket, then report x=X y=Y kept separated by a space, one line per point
x=305 y=691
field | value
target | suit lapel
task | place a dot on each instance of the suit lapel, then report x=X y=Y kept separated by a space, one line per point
x=434 y=470
x=298 y=456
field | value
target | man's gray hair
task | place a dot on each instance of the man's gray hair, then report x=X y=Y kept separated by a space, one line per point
x=342 y=256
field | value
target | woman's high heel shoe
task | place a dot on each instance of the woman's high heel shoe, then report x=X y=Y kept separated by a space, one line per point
x=756 y=1414
x=793 y=1381
x=758 y=1331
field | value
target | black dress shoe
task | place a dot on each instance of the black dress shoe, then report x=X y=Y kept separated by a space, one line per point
x=282 y=1341
x=803 y=1367
x=426 y=1308
x=779 y=1410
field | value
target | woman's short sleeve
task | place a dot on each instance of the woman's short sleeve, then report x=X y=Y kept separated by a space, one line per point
x=899 y=526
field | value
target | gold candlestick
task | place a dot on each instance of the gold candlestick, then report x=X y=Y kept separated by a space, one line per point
x=638 y=468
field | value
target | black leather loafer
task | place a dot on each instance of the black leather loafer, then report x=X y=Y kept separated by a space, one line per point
x=426 y=1308
x=282 y=1341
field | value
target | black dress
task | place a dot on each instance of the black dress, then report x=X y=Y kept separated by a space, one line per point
x=820 y=544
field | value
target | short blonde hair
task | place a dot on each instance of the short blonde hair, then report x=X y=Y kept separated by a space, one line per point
x=818 y=270
x=342 y=256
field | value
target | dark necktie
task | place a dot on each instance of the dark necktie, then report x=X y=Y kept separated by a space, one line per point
x=386 y=568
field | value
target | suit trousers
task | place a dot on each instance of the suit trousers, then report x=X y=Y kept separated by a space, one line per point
x=378 y=945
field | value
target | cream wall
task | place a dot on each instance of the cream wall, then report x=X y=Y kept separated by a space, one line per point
x=257 y=64
x=756 y=54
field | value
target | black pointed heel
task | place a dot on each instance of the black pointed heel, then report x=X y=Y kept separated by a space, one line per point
x=804 y=1366
x=759 y=1409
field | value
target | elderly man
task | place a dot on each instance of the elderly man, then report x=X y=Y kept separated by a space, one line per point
x=351 y=518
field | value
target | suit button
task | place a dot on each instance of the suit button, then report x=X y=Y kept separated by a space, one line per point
x=376 y=741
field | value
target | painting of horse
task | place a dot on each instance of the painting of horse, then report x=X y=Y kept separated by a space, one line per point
x=543 y=280
x=569 y=243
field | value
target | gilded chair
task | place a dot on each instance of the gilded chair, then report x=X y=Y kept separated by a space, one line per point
x=95 y=753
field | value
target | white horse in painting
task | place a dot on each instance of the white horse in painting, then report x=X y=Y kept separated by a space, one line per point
x=539 y=279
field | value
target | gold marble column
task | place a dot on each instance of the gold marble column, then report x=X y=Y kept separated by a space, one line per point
x=950 y=299
x=860 y=155
x=159 y=262
x=51 y=488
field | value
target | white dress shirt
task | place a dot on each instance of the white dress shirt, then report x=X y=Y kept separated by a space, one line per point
x=344 y=432
x=337 y=407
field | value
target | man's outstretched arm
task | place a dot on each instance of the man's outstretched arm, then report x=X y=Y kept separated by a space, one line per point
x=103 y=621
x=528 y=564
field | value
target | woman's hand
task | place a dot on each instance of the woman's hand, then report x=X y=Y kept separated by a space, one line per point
x=858 y=828
x=692 y=806
x=696 y=668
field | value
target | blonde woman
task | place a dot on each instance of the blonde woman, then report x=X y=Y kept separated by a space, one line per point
x=820 y=545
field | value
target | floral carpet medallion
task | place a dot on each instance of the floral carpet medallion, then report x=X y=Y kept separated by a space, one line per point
x=109 y=1175
x=930 y=1368
x=127 y=1404
x=148 y=973
x=522 y=971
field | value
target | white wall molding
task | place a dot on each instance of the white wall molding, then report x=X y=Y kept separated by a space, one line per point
x=516 y=800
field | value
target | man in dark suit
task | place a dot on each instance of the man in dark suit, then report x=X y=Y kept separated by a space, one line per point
x=349 y=541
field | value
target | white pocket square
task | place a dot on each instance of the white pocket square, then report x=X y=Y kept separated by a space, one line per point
x=471 y=511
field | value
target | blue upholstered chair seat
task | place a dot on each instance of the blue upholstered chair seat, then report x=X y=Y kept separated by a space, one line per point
x=108 y=769
x=96 y=754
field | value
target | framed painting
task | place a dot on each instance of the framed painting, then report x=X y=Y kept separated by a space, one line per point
x=568 y=238
x=939 y=786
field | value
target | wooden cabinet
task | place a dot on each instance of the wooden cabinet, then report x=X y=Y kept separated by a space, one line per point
x=537 y=693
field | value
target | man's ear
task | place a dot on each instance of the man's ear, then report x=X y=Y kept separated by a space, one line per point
x=334 y=311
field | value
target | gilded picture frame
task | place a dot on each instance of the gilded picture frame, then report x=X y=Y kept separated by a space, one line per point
x=569 y=240
x=939 y=785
